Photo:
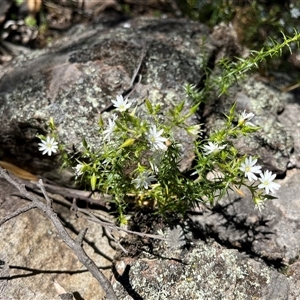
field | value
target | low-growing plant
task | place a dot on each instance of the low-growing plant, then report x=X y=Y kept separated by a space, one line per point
x=231 y=71
x=137 y=161
x=137 y=158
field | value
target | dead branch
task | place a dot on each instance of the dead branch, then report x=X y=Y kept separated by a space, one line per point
x=97 y=198
x=93 y=218
x=73 y=244
x=41 y=186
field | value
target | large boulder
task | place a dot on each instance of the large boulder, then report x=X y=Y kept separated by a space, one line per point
x=76 y=79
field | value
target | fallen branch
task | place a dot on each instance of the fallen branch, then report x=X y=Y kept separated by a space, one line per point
x=97 y=198
x=73 y=244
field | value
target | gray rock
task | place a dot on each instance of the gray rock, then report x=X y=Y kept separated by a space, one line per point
x=4 y=9
x=289 y=119
x=75 y=80
x=294 y=273
x=207 y=271
x=32 y=254
x=264 y=264
x=271 y=234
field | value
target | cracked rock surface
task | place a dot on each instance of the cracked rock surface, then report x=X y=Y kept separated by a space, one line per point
x=256 y=255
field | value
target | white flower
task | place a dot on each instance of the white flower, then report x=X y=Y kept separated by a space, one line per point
x=78 y=170
x=155 y=139
x=121 y=104
x=161 y=233
x=295 y=13
x=48 y=146
x=259 y=203
x=143 y=180
x=194 y=130
x=245 y=119
x=155 y=160
x=110 y=128
x=212 y=148
x=249 y=168
x=281 y=22
x=267 y=183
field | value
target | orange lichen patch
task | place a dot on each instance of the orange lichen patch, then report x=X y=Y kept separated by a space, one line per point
x=34 y=6
x=21 y=173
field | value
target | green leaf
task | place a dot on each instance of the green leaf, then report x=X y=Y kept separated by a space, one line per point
x=101 y=122
x=84 y=143
x=120 y=126
x=30 y=21
x=19 y=2
x=127 y=143
x=232 y=110
x=51 y=123
x=149 y=106
x=93 y=181
x=180 y=106
x=194 y=109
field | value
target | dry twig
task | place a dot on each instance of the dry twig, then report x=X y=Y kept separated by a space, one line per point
x=73 y=244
